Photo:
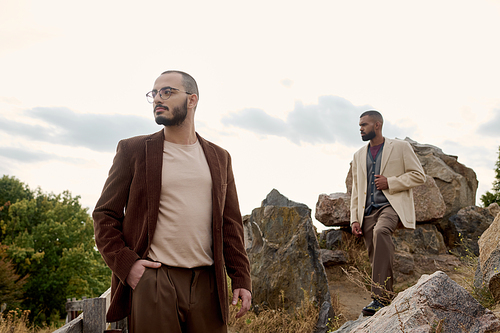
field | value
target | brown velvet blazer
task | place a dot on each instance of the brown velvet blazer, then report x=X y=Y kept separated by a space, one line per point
x=126 y=214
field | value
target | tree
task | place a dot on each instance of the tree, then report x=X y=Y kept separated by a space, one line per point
x=51 y=243
x=11 y=191
x=11 y=285
x=494 y=196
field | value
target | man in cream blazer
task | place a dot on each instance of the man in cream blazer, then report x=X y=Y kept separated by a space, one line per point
x=384 y=173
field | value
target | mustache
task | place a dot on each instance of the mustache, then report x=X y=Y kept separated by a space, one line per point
x=161 y=106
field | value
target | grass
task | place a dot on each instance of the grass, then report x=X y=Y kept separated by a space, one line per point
x=16 y=321
x=466 y=274
x=301 y=319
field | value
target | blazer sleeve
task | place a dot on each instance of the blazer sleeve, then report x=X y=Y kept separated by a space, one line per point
x=413 y=172
x=235 y=256
x=354 y=192
x=108 y=216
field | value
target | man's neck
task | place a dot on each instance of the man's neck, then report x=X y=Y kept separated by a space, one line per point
x=378 y=140
x=184 y=135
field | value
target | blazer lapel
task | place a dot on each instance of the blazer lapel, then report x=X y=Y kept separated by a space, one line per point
x=215 y=172
x=386 y=152
x=154 y=163
x=362 y=161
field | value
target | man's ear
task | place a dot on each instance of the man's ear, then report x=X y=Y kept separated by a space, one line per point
x=192 y=101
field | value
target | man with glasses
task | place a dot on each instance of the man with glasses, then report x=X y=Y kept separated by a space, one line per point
x=383 y=175
x=168 y=223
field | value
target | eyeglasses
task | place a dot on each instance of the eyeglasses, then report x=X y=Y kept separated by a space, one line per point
x=165 y=93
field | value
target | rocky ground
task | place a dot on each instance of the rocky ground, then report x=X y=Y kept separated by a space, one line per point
x=352 y=298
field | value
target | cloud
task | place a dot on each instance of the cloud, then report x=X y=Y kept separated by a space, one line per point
x=60 y=125
x=491 y=128
x=32 y=156
x=286 y=83
x=471 y=156
x=333 y=119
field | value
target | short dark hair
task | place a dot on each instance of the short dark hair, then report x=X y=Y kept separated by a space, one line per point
x=374 y=114
x=188 y=82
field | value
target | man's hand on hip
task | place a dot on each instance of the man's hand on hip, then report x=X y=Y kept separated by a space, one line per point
x=356 y=229
x=246 y=300
x=138 y=269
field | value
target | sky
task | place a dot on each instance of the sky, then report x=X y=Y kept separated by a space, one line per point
x=282 y=85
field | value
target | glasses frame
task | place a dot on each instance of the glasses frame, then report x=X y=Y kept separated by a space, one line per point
x=150 y=96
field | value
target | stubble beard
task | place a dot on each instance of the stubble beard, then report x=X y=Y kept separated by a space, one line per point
x=179 y=114
x=369 y=136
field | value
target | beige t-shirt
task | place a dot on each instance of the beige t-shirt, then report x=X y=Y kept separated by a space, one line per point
x=183 y=234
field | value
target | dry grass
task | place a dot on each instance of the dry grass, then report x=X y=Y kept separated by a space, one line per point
x=465 y=278
x=301 y=319
x=16 y=321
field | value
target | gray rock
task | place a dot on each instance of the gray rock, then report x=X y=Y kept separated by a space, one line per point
x=488 y=272
x=332 y=238
x=425 y=239
x=466 y=228
x=331 y=258
x=333 y=209
x=429 y=203
x=434 y=302
x=494 y=209
x=286 y=266
x=456 y=182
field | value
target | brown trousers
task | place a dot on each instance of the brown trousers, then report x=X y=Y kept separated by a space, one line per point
x=377 y=232
x=176 y=300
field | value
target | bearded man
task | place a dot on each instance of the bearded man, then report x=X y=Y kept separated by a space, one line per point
x=168 y=223
x=384 y=173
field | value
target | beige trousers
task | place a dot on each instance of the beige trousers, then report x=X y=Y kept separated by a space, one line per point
x=176 y=300
x=377 y=233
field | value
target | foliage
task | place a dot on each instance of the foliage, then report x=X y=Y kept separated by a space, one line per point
x=16 y=321
x=50 y=240
x=11 y=191
x=303 y=319
x=493 y=196
x=467 y=271
x=11 y=284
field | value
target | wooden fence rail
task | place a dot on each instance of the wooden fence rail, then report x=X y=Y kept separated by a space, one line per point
x=92 y=318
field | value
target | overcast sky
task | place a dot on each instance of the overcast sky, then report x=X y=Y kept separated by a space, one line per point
x=282 y=84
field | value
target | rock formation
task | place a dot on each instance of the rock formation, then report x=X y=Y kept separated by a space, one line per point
x=419 y=251
x=488 y=269
x=435 y=304
x=456 y=182
x=467 y=226
x=449 y=187
x=285 y=257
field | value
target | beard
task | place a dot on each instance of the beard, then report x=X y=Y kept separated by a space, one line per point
x=368 y=136
x=179 y=114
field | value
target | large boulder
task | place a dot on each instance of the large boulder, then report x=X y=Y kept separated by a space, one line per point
x=425 y=239
x=429 y=203
x=456 y=182
x=420 y=251
x=285 y=259
x=466 y=227
x=435 y=304
x=488 y=270
x=333 y=209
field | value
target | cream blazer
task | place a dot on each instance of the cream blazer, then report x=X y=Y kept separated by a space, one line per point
x=403 y=171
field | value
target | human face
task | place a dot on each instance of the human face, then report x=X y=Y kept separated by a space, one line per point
x=367 y=128
x=173 y=111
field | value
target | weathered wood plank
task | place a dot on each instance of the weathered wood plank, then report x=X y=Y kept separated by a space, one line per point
x=94 y=315
x=74 y=306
